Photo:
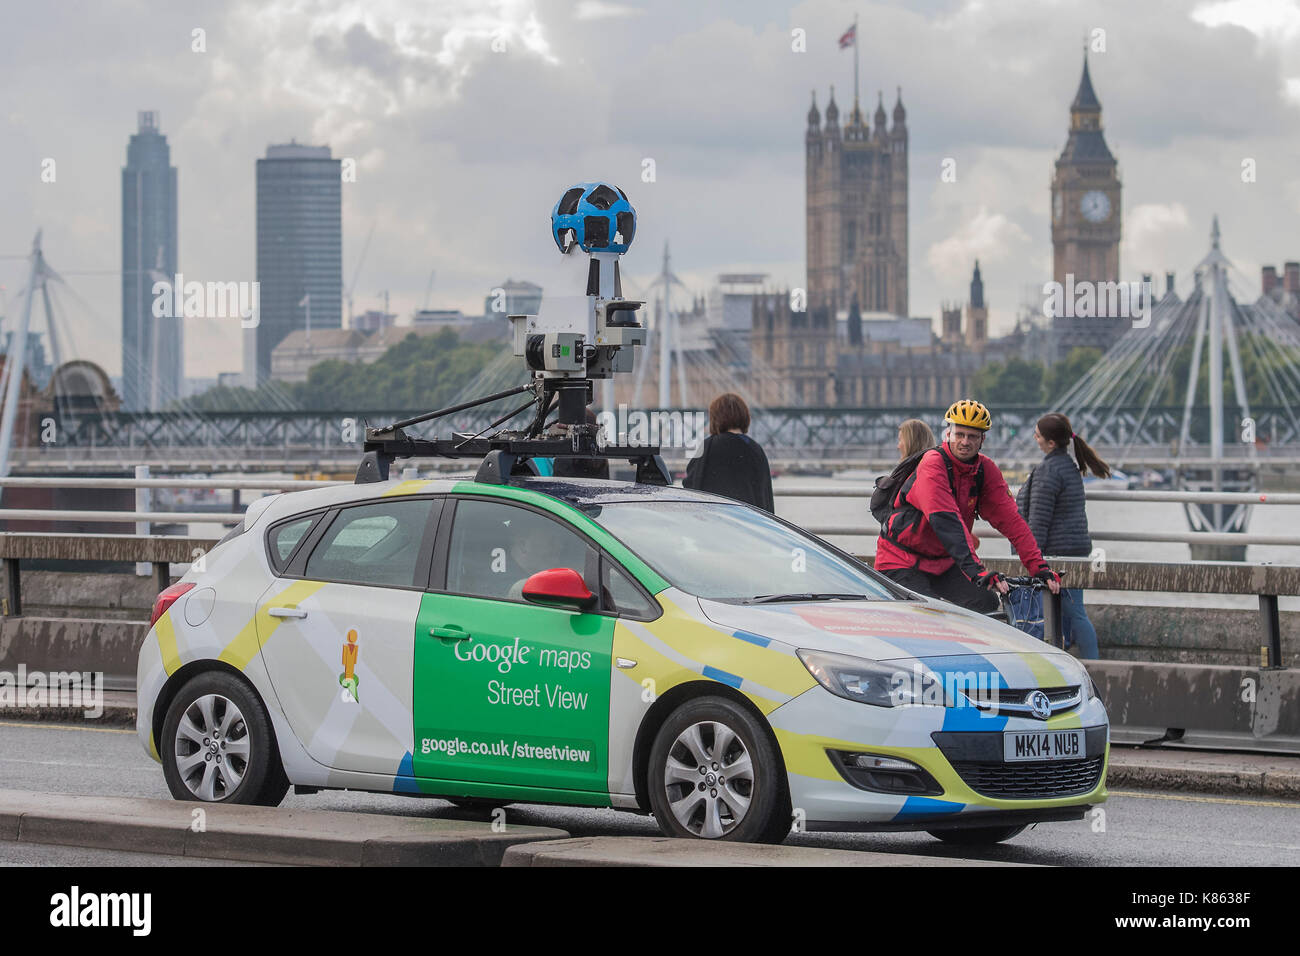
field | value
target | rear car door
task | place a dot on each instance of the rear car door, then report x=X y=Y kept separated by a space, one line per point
x=337 y=632
x=508 y=691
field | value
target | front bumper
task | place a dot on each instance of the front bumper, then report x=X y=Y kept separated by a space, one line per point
x=959 y=748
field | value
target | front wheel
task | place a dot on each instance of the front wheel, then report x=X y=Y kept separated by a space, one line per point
x=217 y=744
x=715 y=774
x=976 y=836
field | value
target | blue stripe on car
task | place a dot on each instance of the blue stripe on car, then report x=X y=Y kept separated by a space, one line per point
x=404 y=782
x=914 y=807
x=722 y=676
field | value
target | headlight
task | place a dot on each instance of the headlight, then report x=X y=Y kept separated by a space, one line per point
x=869 y=682
x=1076 y=673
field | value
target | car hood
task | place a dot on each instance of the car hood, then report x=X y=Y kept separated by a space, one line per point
x=877 y=630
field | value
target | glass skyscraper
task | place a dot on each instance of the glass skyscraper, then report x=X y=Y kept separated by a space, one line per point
x=152 y=353
x=299 y=246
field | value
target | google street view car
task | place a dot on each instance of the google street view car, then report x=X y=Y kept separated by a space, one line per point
x=517 y=638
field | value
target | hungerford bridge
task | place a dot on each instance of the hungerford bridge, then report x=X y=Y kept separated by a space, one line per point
x=1122 y=406
x=1127 y=436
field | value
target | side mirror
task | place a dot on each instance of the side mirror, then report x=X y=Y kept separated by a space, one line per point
x=563 y=586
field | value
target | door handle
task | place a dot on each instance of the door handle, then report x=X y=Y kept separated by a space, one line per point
x=287 y=612
x=450 y=633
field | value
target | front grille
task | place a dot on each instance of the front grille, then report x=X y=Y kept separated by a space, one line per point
x=1037 y=780
x=1013 y=699
x=1017 y=695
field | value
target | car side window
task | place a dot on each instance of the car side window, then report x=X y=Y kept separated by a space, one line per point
x=622 y=596
x=376 y=544
x=284 y=537
x=494 y=548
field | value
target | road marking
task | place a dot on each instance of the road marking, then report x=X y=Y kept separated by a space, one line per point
x=77 y=763
x=1174 y=796
x=41 y=726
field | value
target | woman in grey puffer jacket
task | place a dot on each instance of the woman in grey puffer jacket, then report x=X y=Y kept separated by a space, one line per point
x=1052 y=503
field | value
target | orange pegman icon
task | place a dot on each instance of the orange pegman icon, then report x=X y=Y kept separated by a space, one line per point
x=348 y=679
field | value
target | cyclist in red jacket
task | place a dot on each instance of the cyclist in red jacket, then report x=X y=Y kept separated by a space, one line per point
x=925 y=544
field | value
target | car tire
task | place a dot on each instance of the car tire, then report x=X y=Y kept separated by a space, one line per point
x=702 y=737
x=199 y=764
x=977 y=836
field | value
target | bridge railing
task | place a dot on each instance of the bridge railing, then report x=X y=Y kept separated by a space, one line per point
x=144 y=515
x=811 y=431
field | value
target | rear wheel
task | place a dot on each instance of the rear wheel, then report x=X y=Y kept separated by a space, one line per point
x=976 y=836
x=715 y=774
x=217 y=744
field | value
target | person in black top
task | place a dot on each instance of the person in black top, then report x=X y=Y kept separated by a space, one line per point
x=731 y=463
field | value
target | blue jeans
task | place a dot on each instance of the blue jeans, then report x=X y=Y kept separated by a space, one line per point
x=1074 y=622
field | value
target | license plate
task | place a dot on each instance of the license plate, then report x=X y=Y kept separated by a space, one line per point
x=1043 y=745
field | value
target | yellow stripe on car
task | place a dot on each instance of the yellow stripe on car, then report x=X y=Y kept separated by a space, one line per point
x=408 y=487
x=241 y=650
x=166 y=632
x=663 y=672
x=776 y=669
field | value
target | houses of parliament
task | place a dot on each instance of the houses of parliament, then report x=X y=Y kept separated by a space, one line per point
x=853 y=342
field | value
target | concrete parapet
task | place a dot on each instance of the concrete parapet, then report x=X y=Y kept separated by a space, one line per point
x=1201 y=705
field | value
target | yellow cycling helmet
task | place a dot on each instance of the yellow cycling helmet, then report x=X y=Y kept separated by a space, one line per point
x=969 y=414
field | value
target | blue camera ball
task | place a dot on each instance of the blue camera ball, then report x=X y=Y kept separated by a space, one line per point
x=595 y=216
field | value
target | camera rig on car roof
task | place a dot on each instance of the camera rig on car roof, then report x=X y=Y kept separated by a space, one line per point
x=597 y=218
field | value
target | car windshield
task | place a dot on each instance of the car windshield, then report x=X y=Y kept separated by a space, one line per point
x=735 y=553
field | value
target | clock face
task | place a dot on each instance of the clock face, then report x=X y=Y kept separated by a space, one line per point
x=1095 y=206
x=1058 y=206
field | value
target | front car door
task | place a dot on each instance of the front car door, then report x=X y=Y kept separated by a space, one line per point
x=509 y=692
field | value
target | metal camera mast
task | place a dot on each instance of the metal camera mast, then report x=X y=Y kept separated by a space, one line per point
x=563 y=366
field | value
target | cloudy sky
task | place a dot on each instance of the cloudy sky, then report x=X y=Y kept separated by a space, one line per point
x=468 y=118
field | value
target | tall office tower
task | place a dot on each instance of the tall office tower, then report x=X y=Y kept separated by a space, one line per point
x=152 y=355
x=299 y=247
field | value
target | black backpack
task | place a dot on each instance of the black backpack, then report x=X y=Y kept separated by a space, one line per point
x=888 y=486
x=882 y=499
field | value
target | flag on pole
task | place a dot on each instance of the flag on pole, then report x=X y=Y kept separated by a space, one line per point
x=850 y=37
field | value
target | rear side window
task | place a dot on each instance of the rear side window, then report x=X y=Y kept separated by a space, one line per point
x=283 y=539
x=376 y=544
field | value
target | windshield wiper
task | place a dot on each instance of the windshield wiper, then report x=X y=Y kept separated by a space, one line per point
x=781 y=598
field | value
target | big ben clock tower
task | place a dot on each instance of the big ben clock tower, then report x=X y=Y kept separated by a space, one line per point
x=1086 y=221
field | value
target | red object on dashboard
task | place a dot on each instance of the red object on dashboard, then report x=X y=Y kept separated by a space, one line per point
x=563 y=585
x=166 y=599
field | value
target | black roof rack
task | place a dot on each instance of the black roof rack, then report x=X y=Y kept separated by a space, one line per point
x=505 y=453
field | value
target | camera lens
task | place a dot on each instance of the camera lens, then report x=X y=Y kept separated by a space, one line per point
x=535 y=353
x=620 y=316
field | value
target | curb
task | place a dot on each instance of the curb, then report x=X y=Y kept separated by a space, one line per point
x=667 y=851
x=1236 y=782
x=255 y=834
x=120 y=716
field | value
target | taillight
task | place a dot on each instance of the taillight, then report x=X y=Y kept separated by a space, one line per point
x=166 y=599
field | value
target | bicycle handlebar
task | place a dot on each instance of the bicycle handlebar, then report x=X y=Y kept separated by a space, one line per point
x=1025 y=581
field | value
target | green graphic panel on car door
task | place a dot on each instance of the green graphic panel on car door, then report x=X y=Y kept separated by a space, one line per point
x=512 y=693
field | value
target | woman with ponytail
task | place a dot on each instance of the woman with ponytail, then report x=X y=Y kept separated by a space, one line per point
x=1052 y=503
